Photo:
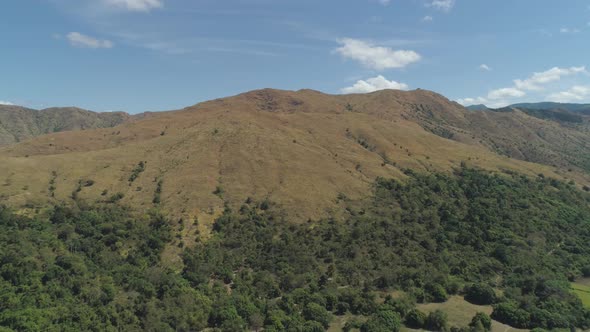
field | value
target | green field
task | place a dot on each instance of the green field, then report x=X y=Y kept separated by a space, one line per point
x=582 y=290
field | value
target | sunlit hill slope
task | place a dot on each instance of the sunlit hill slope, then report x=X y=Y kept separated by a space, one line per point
x=303 y=150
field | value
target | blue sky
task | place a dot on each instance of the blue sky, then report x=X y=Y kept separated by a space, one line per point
x=150 y=55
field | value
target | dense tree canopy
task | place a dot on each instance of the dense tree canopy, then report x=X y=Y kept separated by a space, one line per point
x=100 y=268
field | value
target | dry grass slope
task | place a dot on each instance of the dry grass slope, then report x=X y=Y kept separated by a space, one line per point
x=300 y=149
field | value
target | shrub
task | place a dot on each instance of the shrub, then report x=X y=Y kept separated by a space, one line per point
x=116 y=197
x=315 y=312
x=383 y=321
x=509 y=313
x=415 y=319
x=480 y=294
x=481 y=321
x=437 y=321
x=437 y=293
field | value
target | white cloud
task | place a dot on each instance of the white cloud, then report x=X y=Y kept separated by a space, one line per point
x=554 y=74
x=5 y=103
x=375 y=57
x=568 y=30
x=506 y=93
x=135 y=5
x=79 y=40
x=485 y=67
x=472 y=101
x=576 y=93
x=427 y=18
x=374 y=84
x=444 y=5
x=535 y=83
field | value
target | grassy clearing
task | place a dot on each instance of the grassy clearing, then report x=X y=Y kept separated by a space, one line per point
x=582 y=290
x=461 y=312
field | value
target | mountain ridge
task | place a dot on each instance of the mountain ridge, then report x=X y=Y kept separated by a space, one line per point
x=572 y=107
x=302 y=149
x=546 y=105
x=18 y=123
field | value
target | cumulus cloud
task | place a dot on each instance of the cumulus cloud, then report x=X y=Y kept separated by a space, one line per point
x=472 y=101
x=2 y=102
x=506 y=93
x=576 y=93
x=79 y=40
x=444 y=5
x=485 y=67
x=536 y=81
x=375 y=57
x=568 y=30
x=135 y=5
x=374 y=84
x=427 y=18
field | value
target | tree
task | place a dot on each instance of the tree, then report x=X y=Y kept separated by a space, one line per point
x=509 y=313
x=437 y=293
x=437 y=321
x=383 y=320
x=313 y=326
x=481 y=322
x=415 y=319
x=480 y=294
x=315 y=312
x=256 y=321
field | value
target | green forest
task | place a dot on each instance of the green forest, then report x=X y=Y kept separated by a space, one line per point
x=505 y=240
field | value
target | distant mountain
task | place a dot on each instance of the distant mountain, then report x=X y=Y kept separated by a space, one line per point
x=577 y=108
x=480 y=107
x=559 y=115
x=20 y=123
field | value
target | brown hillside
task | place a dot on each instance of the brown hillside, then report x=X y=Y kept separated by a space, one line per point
x=299 y=149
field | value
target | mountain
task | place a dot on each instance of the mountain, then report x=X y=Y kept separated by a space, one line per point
x=300 y=149
x=559 y=115
x=19 y=123
x=298 y=210
x=577 y=108
x=480 y=107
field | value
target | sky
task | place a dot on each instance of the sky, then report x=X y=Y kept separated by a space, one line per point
x=155 y=55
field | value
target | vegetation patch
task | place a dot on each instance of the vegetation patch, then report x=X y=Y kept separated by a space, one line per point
x=434 y=238
x=583 y=292
x=137 y=171
x=158 y=193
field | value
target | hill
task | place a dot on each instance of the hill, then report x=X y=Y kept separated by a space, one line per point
x=20 y=123
x=577 y=108
x=480 y=107
x=561 y=116
x=301 y=149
